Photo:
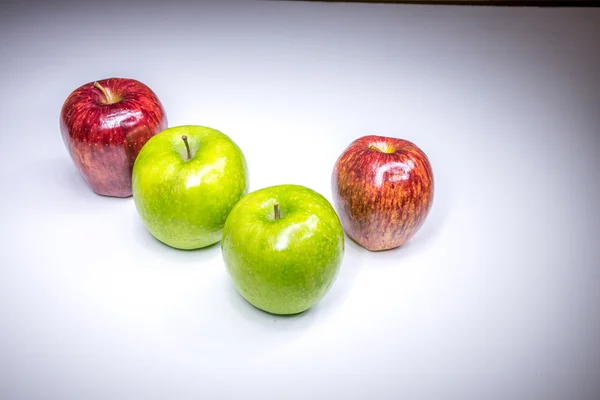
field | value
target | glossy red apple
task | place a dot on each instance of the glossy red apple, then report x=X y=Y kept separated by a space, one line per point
x=383 y=190
x=104 y=124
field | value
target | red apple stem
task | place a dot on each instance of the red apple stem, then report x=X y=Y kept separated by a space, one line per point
x=107 y=96
x=276 y=214
x=187 y=146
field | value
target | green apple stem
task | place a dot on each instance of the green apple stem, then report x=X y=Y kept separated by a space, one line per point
x=107 y=97
x=187 y=146
x=276 y=214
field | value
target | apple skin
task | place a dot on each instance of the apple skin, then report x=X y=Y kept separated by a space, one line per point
x=285 y=265
x=184 y=203
x=104 y=132
x=383 y=191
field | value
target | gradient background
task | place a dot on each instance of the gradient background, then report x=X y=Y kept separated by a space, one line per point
x=497 y=297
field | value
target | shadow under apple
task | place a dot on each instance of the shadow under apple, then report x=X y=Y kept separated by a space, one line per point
x=58 y=187
x=332 y=301
x=57 y=174
x=171 y=255
x=257 y=316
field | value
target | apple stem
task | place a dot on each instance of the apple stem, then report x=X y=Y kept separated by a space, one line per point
x=187 y=146
x=276 y=211
x=107 y=96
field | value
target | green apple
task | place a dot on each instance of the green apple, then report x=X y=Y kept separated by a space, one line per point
x=185 y=181
x=283 y=246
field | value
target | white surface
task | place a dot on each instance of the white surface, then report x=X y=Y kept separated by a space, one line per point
x=498 y=296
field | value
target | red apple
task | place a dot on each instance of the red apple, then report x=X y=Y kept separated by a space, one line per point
x=104 y=125
x=383 y=190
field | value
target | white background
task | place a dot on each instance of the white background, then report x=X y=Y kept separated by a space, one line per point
x=498 y=295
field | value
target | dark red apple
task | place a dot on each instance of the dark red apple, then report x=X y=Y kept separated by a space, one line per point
x=104 y=125
x=383 y=190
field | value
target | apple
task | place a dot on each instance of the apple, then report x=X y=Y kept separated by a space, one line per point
x=104 y=124
x=282 y=247
x=383 y=190
x=185 y=182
